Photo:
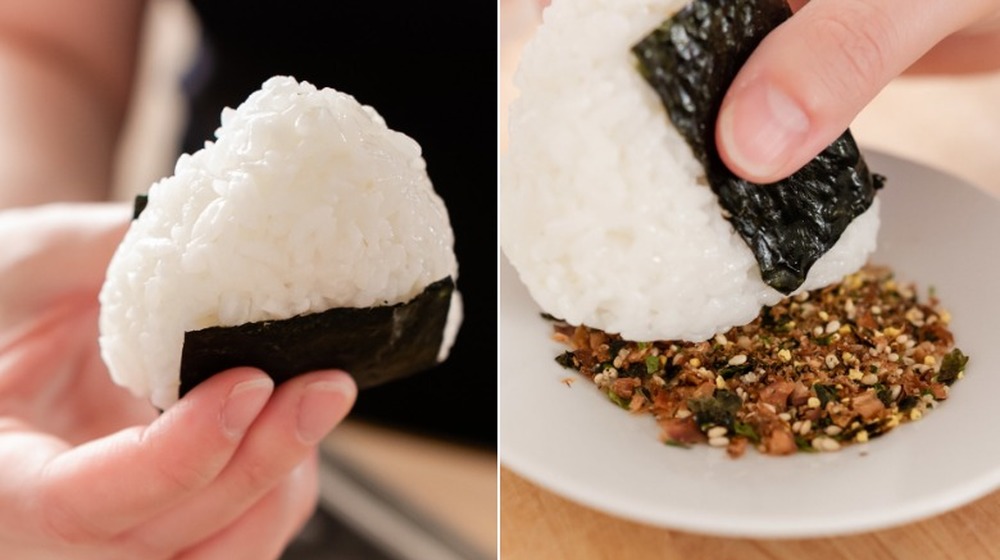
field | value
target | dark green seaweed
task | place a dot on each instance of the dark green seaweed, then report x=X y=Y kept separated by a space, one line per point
x=374 y=345
x=141 y=200
x=690 y=60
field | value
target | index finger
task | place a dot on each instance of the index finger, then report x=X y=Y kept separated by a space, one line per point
x=809 y=78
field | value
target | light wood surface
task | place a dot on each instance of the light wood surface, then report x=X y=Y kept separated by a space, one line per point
x=952 y=124
x=454 y=485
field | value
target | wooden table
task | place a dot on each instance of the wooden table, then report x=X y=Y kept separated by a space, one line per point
x=952 y=124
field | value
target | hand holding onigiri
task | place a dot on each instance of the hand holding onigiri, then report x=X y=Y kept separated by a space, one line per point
x=307 y=236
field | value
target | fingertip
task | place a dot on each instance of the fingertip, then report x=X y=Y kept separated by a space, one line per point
x=761 y=132
x=327 y=397
x=239 y=395
x=243 y=404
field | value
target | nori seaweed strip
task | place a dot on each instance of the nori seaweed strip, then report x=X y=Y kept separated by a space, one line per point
x=141 y=200
x=690 y=60
x=374 y=345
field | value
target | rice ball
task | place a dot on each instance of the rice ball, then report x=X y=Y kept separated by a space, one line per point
x=605 y=212
x=306 y=201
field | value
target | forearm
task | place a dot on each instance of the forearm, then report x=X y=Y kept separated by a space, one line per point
x=66 y=82
x=56 y=140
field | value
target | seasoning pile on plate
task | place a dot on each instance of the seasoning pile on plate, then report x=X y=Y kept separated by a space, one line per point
x=815 y=372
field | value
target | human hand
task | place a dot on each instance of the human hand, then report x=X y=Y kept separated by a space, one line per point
x=89 y=471
x=812 y=75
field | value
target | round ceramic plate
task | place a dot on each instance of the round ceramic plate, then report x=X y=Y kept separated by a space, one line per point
x=936 y=231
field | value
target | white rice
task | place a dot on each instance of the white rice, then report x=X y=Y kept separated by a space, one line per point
x=305 y=202
x=604 y=210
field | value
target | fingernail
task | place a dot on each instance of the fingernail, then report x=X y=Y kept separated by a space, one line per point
x=243 y=404
x=760 y=129
x=324 y=404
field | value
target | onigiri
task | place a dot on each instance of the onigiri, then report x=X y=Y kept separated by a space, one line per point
x=306 y=212
x=609 y=214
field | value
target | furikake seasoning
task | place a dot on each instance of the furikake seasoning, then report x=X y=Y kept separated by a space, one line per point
x=819 y=370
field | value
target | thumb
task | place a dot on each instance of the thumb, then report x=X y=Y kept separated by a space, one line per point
x=813 y=74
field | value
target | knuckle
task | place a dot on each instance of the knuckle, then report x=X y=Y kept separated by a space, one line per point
x=61 y=523
x=858 y=40
x=257 y=474
x=184 y=477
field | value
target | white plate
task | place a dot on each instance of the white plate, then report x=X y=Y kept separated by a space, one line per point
x=936 y=230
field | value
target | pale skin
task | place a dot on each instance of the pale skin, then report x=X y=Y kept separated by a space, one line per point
x=88 y=471
x=812 y=75
x=809 y=78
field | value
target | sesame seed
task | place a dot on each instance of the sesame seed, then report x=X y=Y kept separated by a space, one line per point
x=785 y=416
x=893 y=357
x=824 y=316
x=806 y=427
x=894 y=391
x=738 y=360
x=718 y=441
x=721 y=339
x=832 y=326
x=813 y=402
x=682 y=413
x=876 y=310
x=861 y=436
x=869 y=379
x=824 y=443
x=833 y=430
x=717 y=431
x=818 y=331
x=720 y=383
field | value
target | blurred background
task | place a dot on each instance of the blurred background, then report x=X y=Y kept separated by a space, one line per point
x=412 y=473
